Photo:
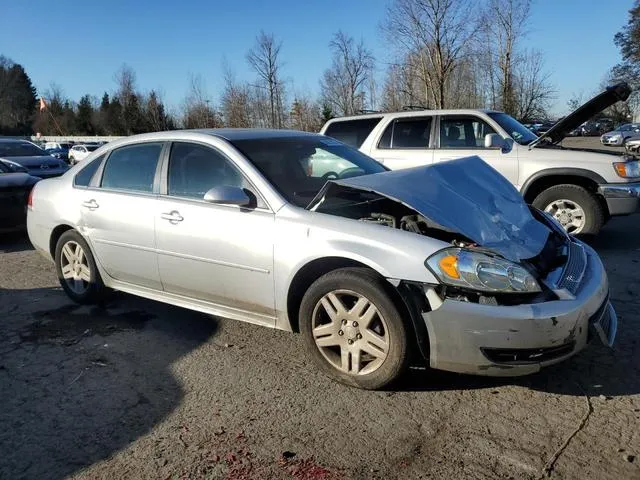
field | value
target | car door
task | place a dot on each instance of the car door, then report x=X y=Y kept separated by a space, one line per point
x=222 y=254
x=405 y=142
x=118 y=214
x=463 y=135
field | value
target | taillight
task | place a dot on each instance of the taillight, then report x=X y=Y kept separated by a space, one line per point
x=30 y=199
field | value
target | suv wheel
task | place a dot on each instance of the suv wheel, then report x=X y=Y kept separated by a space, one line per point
x=76 y=269
x=353 y=330
x=577 y=209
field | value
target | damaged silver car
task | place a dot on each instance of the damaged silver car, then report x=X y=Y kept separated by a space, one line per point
x=300 y=232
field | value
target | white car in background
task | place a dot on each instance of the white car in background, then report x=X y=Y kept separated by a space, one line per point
x=581 y=188
x=80 y=152
x=621 y=135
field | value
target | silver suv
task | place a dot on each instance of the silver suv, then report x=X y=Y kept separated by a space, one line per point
x=581 y=188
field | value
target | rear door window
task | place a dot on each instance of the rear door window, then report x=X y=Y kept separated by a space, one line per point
x=352 y=132
x=132 y=168
x=407 y=133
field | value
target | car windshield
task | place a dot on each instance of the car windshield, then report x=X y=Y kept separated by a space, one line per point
x=92 y=148
x=4 y=168
x=298 y=167
x=514 y=128
x=20 y=149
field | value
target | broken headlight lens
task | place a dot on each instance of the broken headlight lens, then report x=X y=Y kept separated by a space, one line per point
x=479 y=271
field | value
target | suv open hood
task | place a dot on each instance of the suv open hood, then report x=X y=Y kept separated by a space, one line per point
x=464 y=196
x=613 y=94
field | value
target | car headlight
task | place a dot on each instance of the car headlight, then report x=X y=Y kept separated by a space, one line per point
x=479 y=271
x=627 y=169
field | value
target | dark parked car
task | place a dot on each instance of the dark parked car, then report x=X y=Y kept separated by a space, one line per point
x=15 y=186
x=37 y=161
x=61 y=153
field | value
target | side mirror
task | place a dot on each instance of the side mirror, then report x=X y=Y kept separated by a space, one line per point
x=495 y=141
x=227 y=195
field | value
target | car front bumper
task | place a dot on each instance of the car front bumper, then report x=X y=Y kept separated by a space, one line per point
x=621 y=198
x=518 y=340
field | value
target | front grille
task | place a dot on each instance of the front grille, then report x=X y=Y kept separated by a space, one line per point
x=527 y=355
x=574 y=268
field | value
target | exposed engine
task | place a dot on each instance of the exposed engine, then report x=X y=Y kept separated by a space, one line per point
x=410 y=223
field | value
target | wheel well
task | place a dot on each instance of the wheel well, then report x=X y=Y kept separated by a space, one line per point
x=306 y=276
x=541 y=184
x=55 y=236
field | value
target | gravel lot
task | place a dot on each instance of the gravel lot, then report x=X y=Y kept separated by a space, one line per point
x=138 y=389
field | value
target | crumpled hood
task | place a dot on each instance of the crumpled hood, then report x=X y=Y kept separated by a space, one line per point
x=466 y=196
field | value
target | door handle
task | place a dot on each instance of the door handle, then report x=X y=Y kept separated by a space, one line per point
x=90 y=204
x=173 y=217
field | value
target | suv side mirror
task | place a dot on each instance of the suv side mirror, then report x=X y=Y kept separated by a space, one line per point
x=495 y=141
x=227 y=195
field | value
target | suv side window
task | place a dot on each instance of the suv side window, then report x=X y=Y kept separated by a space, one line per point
x=407 y=133
x=352 y=132
x=460 y=131
x=132 y=168
x=195 y=169
x=84 y=176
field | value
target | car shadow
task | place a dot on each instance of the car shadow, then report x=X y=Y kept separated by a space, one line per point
x=17 y=241
x=81 y=383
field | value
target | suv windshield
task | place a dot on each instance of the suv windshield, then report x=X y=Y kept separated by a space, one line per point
x=514 y=128
x=20 y=149
x=298 y=167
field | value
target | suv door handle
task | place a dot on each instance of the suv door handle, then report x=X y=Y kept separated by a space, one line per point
x=173 y=217
x=90 y=204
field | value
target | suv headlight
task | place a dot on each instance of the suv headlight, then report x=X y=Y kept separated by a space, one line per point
x=479 y=271
x=627 y=169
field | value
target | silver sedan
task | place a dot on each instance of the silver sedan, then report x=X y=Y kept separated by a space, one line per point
x=300 y=232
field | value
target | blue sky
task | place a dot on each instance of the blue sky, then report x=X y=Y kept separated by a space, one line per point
x=80 y=44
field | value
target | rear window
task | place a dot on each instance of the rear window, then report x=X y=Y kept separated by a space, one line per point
x=352 y=132
x=83 y=178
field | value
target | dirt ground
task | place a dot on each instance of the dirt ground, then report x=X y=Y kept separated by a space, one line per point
x=139 y=389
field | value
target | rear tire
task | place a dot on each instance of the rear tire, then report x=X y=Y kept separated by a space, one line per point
x=353 y=330
x=77 y=271
x=551 y=200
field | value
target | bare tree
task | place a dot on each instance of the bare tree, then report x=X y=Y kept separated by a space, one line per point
x=533 y=90
x=306 y=114
x=197 y=111
x=433 y=35
x=264 y=58
x=235 y=100
x=344 y=84
x=505 y=22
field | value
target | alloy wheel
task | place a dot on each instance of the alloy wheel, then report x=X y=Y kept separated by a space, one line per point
x=350 y=332
x=75 y=267
x=570 y=215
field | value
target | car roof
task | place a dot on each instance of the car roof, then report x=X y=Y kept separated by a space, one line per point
x=15 y=140
x=413 y=113
x=232 y=134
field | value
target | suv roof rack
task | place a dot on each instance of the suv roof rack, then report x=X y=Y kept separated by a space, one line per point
x=414 y=107
x=365 y=111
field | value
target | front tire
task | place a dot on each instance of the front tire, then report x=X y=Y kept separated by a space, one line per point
x=577 y=209
x=353 y=330
x=77 y=271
